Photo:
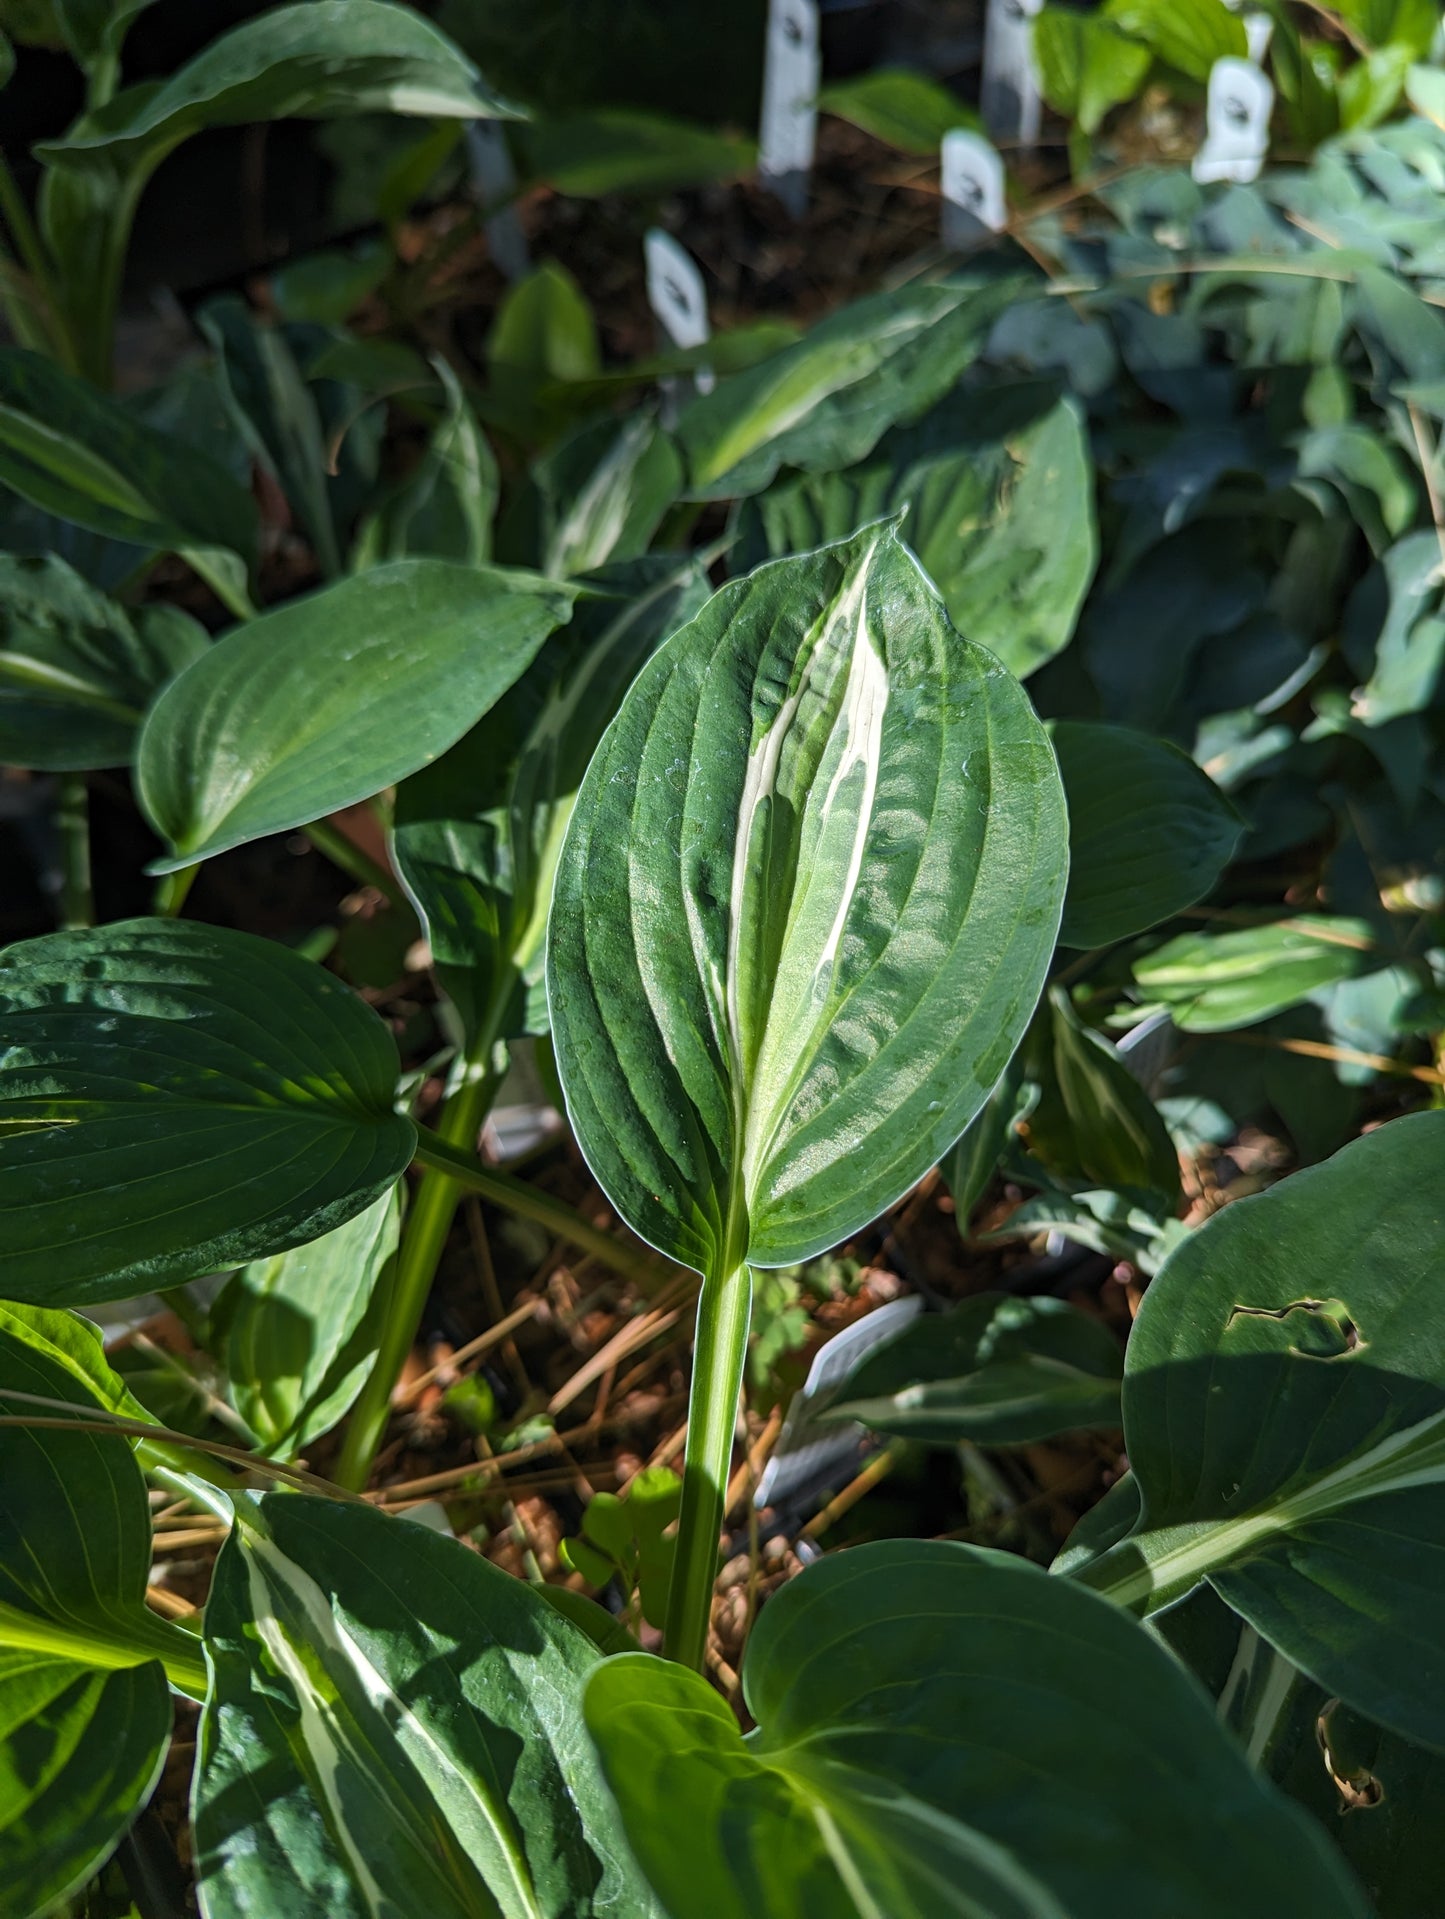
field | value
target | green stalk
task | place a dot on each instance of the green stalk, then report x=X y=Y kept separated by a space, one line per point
x=427 y=1225
x=36 y=262
x=171 y=890
x=113 y=1647
x=72 y=818
x=719 y=1351
x=335 y=846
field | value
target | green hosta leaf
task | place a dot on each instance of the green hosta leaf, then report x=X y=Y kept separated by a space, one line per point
x=1188 y=35
x=825 y=403
x=619 y=150
x=76 y=453
x=1406 y=658
x=940 y=1731
x=175 y=1099
x=1284 y=1414
x=1093 y=1125
x=995 y=1370
x=602 y=492
x=84 y=1710
x=311 y=61
x=81 y=1750
x=95 y=29
x=301 y=1329
x=76 y=670
x=1086 y=65
x=328 y=699
x=803 y=909
x=1214 y=981
x=276 y=414
x=394 y=1726
x=1149 y=833
x=444 y=507
x=477 y=835
x=999 y=493
x=904 y=109
x=975 y=1154
x=1124 y=1225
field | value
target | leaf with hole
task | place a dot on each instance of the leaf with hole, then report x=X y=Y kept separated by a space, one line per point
x=175 y=1099
x=1284 y=1415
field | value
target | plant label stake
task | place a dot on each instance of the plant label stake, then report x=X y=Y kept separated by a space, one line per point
x=971 y=177
x=1237 y=128
x=1012 y=107
x=1258 y=30
x=806 y=1451
x=678 y=298
x=790 y=93
x=494 y=180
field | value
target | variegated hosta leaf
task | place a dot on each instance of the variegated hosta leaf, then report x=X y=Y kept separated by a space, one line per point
x=1284 y=1414
x=803 y=910
x=394 y=1726
x=477 y=834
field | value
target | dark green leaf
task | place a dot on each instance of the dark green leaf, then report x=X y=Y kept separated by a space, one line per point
x=74 y=452
x=617 y=150
x=1093 y=1124
x=995 y=1370
x=803 y=909
x=901 y=108
x=1087 y=66
x=477 y=835
x=1214 y=981
x=602 y=492
x=310 y=61
x=999 y=493
x=941 y=1730
x=175 y=1099
x=301 y=1329
x=443 y=509
x=325 y=701
x=394 y=1726
x=826 y=402
x=76 y=670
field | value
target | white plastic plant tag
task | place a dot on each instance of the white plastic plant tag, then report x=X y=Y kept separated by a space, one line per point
x=494 y=180
x=1012 y=108
x=790 y=92
x=972 y=180
x=678 y=298
x=806 y=1449
x=1237 y=125
x=1258 y=30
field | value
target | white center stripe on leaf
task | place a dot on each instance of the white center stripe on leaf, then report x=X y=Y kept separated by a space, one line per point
x=864 y=703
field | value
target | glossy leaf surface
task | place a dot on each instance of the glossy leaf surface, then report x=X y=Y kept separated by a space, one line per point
x=301 y=1329
x=77 y=670
x=174 y=1099
x=394 y=1726
x=803 y=910
x=310 y=61
x=477 y=836
x=939 y=1730
x=1284 y=1414
x=76 y=453
x=326 y=700
x=84 y=1709
x=1093 y=1125
x=999 y=494
x=995 y=1370
x=1213 y=981
x=827 y=401
x=1149 y=833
